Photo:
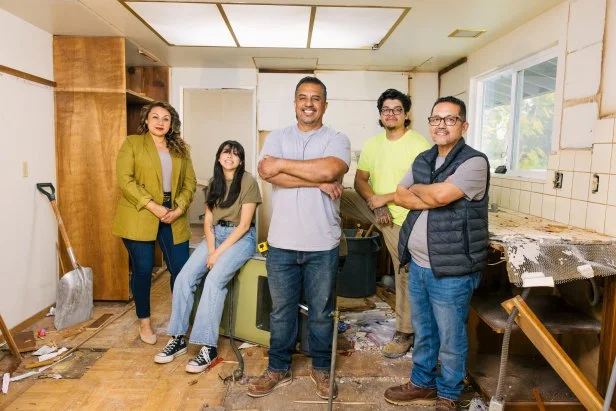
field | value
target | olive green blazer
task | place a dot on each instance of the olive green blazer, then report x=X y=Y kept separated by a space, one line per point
x=139 y=177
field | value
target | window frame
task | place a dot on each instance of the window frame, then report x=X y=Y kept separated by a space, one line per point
x=477 y=89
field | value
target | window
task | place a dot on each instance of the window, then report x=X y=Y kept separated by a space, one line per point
x=515 y=114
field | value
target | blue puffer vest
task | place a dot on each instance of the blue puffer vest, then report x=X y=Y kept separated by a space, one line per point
x=457 y=232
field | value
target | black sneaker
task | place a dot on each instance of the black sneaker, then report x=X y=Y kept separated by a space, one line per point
x=207 y=355
x=174 y=348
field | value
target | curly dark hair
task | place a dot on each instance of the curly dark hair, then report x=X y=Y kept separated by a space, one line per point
x=393 y=94
x=218 y=185
x=176 y=145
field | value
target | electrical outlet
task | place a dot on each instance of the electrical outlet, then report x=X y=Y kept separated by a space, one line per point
x=595 y=183
x=558 y=179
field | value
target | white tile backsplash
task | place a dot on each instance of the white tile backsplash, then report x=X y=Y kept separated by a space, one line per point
x=577 y=125
x=516 y=184
x=603 y=131
x=536 y=200
x=496 y=193
x=601 y=158
x=567 y=187
x=600 y=196
x=586 y=23
x=613 y=166
x=583 y=160
x=504 y=197
x=566 y=160
x=611 y=191
x=577 y=215
x=548 y=207
x=514 y=199
x=595 y=217
x=537 y=187
x=581 y=183
x=561 y=213
x=583 y=72
x=525 y=202
x=526 y=185
x=553 y=161
x=610 y=221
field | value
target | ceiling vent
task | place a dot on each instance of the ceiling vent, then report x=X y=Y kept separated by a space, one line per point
x=466 y=33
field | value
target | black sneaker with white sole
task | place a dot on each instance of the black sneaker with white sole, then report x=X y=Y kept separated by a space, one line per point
x=174 y=348
x=207 y=355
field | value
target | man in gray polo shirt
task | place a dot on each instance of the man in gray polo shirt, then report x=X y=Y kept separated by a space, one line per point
x=304 y=163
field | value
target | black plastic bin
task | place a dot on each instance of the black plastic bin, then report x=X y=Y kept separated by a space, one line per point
x=358 y=277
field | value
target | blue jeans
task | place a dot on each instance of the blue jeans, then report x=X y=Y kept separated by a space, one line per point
x=439 y=310
x=142 y=258
x=289 y=271
x=211 y=304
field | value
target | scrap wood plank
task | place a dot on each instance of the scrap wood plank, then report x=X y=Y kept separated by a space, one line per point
x=25 y=341
x=554 y=354
x=9 y=339
x=387 y=294
x=98 y=322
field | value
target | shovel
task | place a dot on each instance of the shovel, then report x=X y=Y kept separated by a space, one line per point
x=74 y=296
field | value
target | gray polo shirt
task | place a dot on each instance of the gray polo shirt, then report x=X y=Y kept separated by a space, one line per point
x=470 y=177
x=305 y=218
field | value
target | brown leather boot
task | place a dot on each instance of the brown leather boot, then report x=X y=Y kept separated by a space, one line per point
x=268 y=382
x=399 y=345
x=408 y=394
x=321 y=379
x=443 y=404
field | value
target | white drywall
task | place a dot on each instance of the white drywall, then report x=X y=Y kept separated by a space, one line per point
x=29 y=272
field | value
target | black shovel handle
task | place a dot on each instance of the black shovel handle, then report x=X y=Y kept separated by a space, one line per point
x=50 y=195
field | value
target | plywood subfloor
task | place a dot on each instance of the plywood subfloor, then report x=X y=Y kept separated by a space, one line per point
x=125 y=376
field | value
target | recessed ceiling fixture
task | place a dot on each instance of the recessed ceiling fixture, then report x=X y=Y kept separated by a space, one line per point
x=466 y=33
x=268 y=25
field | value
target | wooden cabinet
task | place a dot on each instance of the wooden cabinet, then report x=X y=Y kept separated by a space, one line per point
x=94 y=113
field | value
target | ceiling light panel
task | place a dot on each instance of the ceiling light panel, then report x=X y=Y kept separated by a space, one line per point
x=185 y=24
x=269 y=26
x=352 y=27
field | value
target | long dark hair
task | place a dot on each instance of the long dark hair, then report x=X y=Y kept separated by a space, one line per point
x=175 y=143
x=218 y=186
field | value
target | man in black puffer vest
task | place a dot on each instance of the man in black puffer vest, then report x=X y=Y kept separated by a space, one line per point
x=444 y=240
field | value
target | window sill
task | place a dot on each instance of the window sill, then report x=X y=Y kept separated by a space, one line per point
x=538 y=177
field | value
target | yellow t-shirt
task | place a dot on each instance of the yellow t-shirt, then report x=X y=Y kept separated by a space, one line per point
x=388 y=161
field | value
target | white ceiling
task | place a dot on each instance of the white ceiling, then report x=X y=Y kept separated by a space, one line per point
x=419 y=43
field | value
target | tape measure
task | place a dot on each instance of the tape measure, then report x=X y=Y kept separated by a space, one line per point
x=263 y=248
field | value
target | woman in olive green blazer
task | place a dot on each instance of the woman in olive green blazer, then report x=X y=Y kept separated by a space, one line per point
x=157 y=182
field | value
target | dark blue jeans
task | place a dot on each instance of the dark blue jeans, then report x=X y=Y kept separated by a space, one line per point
x=439 y=310
x=287 y=272
x=142 y=258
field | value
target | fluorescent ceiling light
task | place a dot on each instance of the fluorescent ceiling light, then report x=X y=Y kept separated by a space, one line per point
x=185 y=24
x=466 y=33
x=269 y=26
x=352 y=28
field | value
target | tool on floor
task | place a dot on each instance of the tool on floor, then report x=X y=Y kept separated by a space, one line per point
x=74 y=294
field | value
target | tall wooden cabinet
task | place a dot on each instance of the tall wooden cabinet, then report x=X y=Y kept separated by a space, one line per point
x=94 y=113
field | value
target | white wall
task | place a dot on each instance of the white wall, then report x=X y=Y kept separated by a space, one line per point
x=423 y=89
x=29 y=272
x=584 y=145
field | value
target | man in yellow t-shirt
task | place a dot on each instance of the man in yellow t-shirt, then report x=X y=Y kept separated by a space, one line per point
x=384 y=160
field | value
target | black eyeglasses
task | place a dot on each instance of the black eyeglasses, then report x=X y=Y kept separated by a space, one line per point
x=449 y=120
x=389 y=111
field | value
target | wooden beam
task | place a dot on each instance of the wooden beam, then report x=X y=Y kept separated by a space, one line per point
x=27 y=76
x=313 y=13
x=554 y=354
x=607 y=347
x=9 y=339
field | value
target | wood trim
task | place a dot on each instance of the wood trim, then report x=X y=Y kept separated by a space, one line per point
x=607 y=347
x=27 y=76
x=313 y=13
x=394 y=27
x=452 y=66
x=554 y=354
x=228 y=23
x=29 y=321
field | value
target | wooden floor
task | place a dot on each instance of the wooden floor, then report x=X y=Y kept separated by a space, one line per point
x=115 y=370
